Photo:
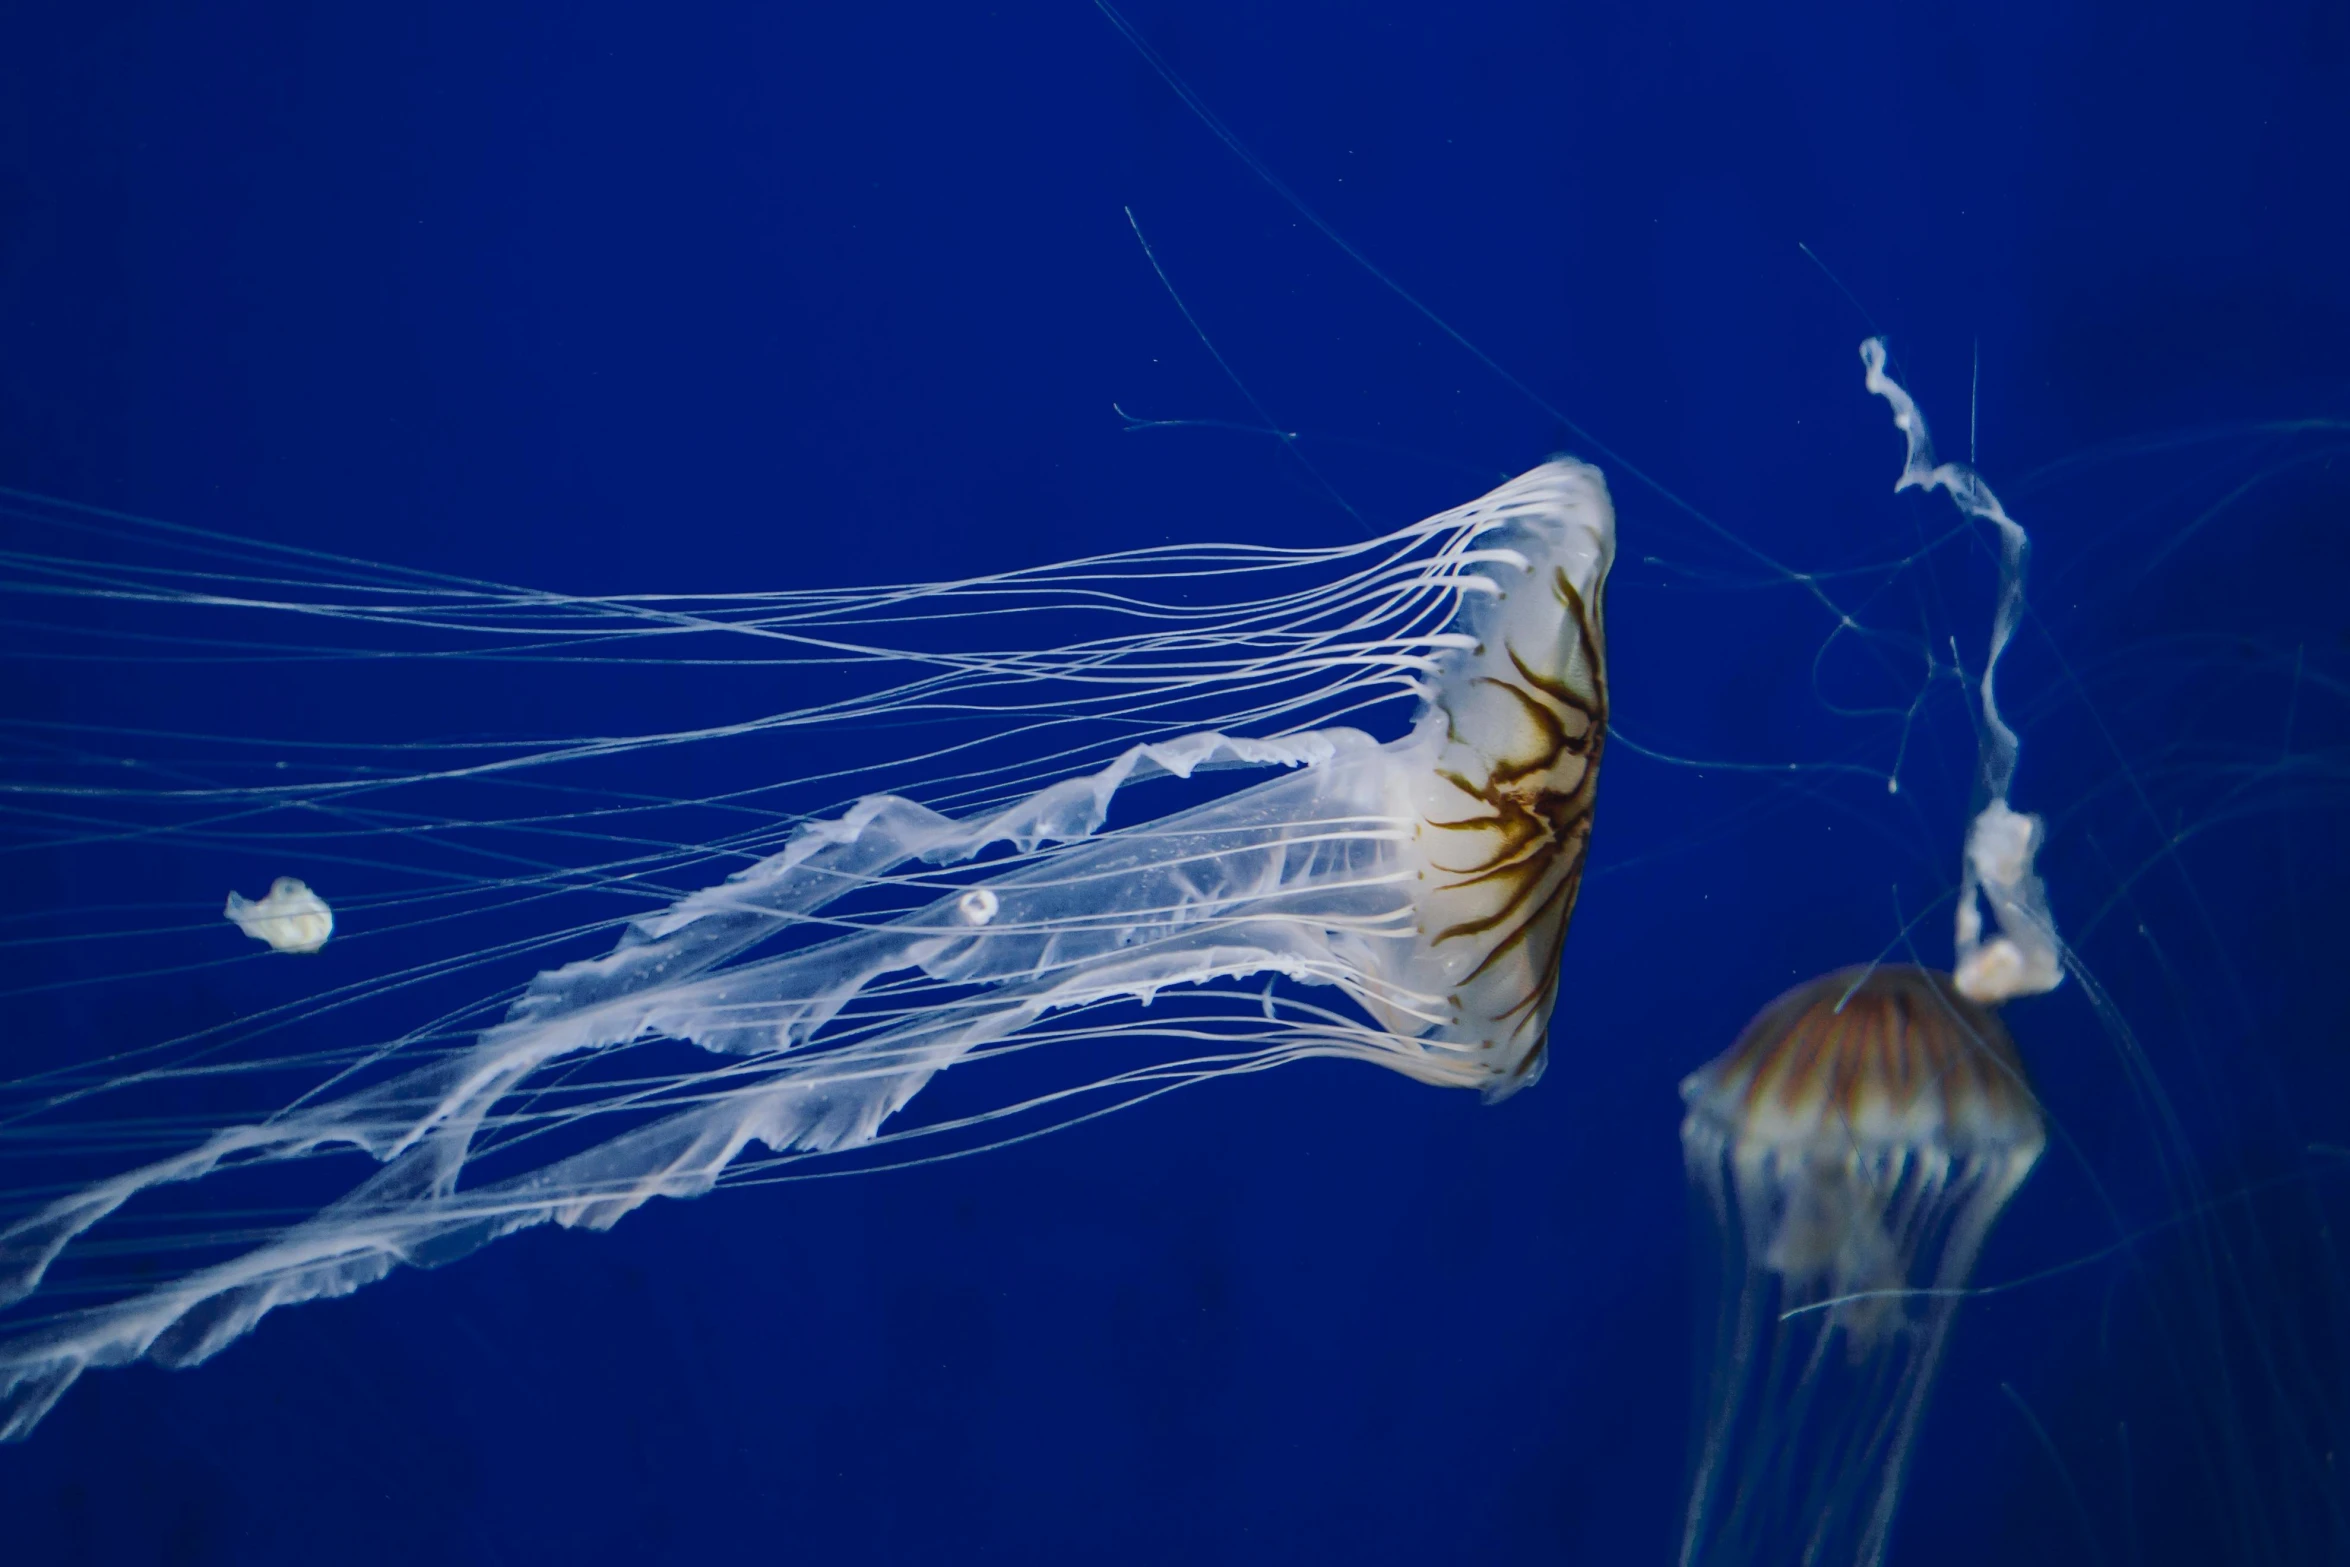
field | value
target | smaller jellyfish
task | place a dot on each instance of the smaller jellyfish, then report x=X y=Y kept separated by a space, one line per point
x=291 y=919
x=1850 y=1151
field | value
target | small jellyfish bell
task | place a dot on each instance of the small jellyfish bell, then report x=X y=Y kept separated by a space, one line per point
x=1850 y=1152
x=1401 y=901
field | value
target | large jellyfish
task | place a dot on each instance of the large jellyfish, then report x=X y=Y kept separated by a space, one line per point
x=1850 y=1152
x=1401 y=901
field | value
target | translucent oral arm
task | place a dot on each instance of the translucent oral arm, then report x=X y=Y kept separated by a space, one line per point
x=1296 y=876
x=2026 y=957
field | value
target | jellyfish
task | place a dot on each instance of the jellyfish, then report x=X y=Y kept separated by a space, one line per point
x=1850 y=1153
x=1402 y=901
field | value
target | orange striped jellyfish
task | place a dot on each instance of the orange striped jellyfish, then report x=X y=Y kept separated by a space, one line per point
x=1850 y=1153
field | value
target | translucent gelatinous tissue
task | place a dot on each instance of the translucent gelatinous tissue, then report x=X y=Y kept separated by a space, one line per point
x=2026 y=957
x=291 y=918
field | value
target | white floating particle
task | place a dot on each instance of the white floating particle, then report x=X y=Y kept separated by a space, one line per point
x=291 y=919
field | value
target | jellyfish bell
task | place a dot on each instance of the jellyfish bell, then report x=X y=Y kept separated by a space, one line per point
x=1502 y=818
x=1848 y=1114
x=1401 y=901
x=1850 y=1152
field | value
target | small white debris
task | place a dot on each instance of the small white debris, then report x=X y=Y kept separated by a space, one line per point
x=2026 y=958
x=977 y=906
x=291 y=919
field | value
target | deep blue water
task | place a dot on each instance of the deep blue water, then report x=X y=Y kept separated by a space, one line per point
x=605 y=300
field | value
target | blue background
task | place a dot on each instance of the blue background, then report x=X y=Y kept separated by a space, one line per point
x=615 y=299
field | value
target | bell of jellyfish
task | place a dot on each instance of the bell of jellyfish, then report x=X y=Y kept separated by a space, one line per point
x=1400 y=900
x=1849 y=1153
